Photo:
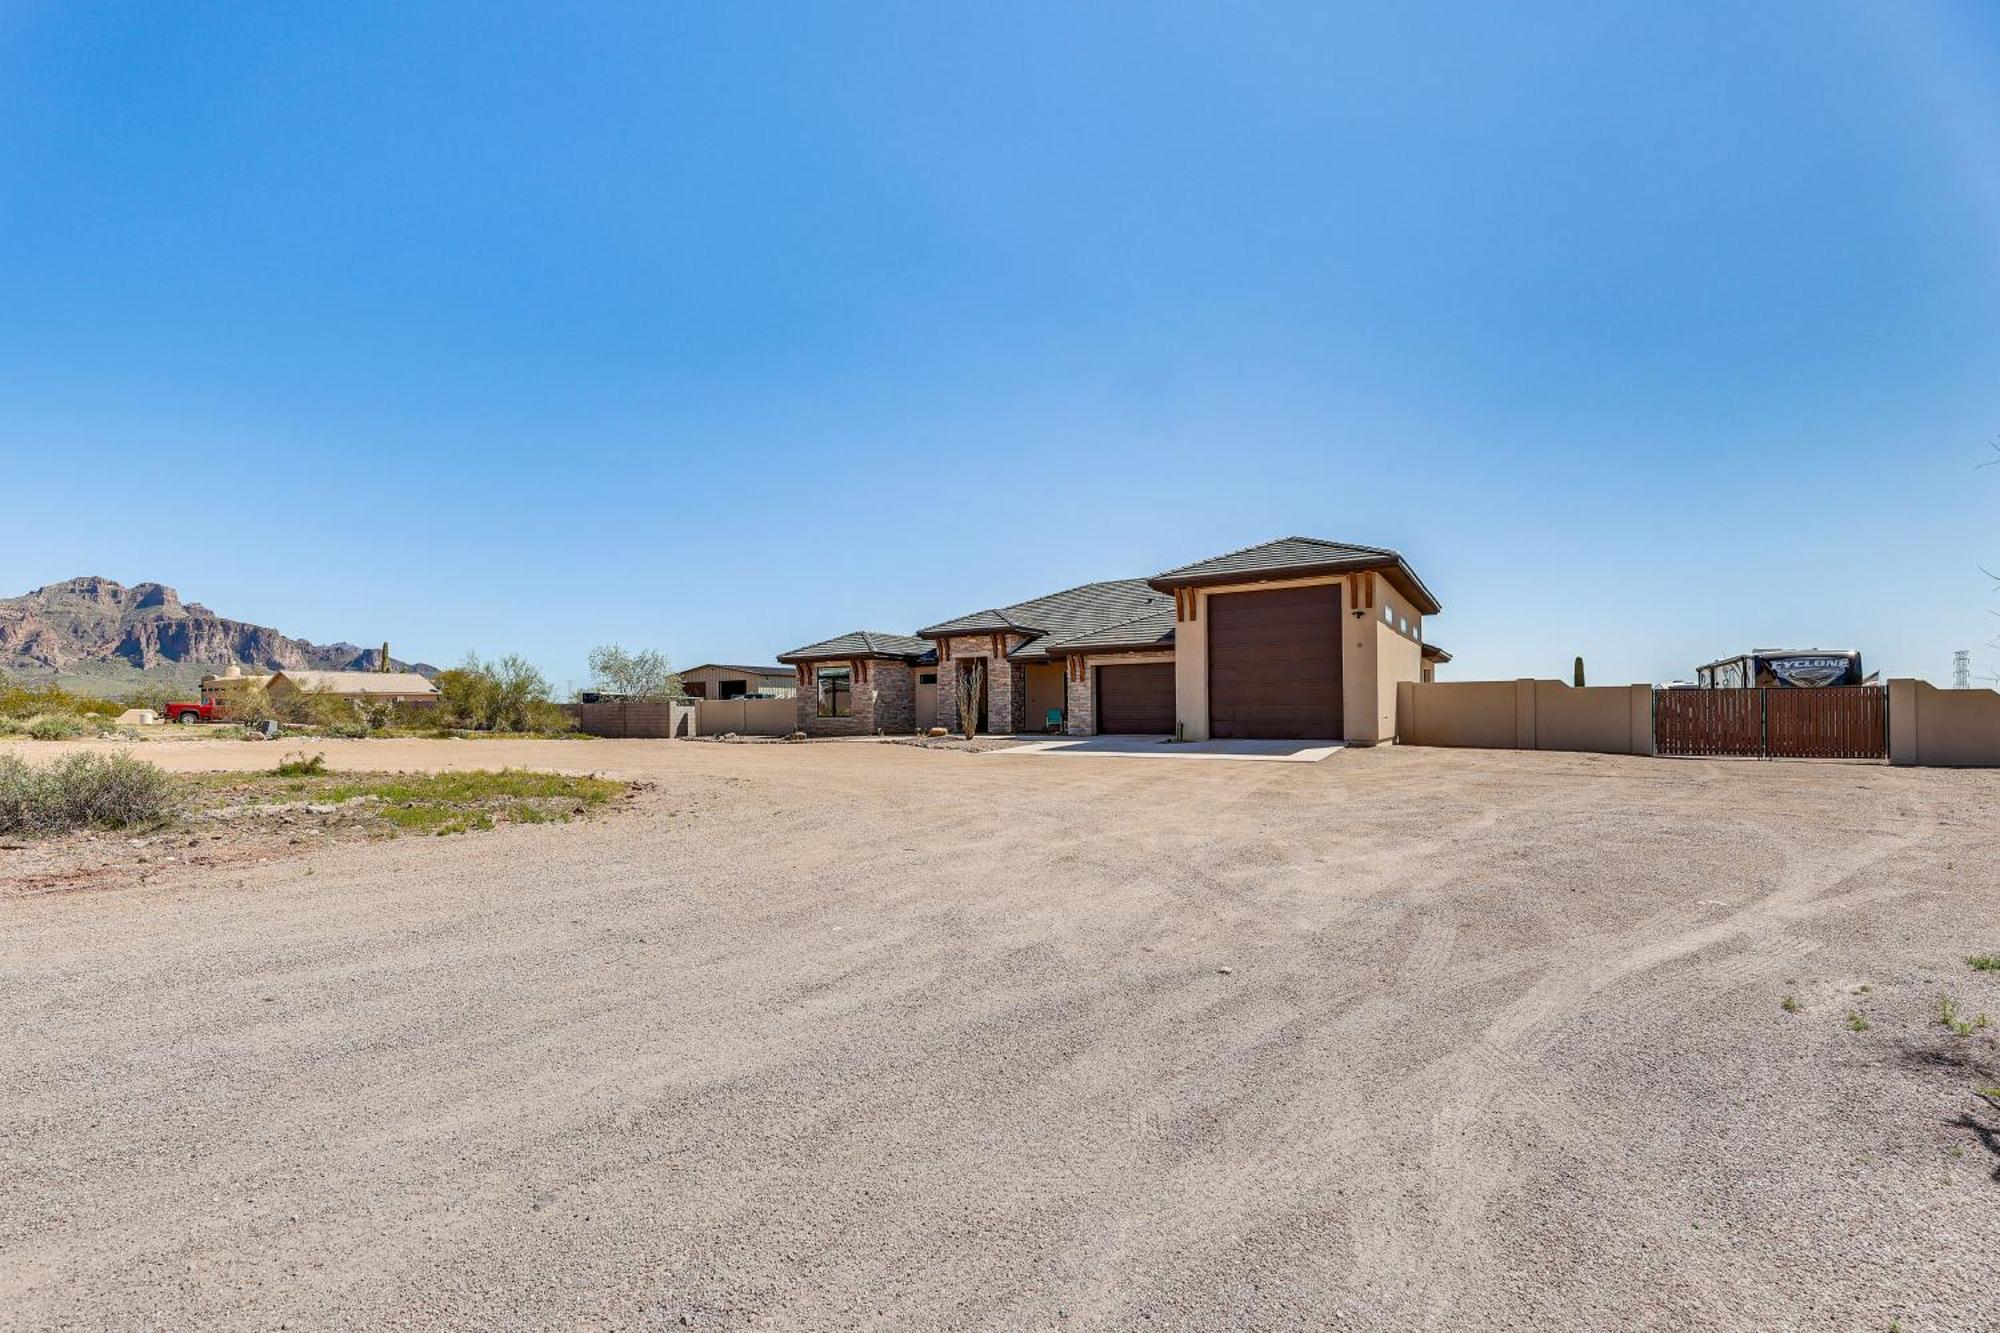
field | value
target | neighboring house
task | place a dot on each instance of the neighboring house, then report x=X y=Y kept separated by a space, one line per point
x=218 y=689
x=1299 y=638
x=715 y=680
x=398 y=687
x=1434 y=657
x=860 y=684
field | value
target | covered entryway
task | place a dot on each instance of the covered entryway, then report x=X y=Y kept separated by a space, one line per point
x=1136 y=699
x=1274 y=664
x=1041 y=697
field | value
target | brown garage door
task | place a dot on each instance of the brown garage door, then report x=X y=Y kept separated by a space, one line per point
x=1274 y=664
x=1136 y=699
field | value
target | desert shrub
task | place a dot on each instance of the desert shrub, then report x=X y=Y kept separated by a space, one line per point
x=250 y=703
x=23 y=701
x=56 y=726
x=84 y=791
x=300 y=766
x=507 y=694
x=541 y=715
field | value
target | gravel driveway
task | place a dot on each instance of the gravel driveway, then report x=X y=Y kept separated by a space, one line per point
x=856 y=1035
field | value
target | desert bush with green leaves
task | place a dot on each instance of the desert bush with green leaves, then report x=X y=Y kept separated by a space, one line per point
x=300 y=765
x=51 y=713
x=61 y=726
x=85 y=791
x=24 y=701
x=506 y=694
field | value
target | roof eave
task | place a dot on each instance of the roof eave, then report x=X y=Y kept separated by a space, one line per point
x=945 y=631
x=803 y=659
x=1403 y=576
x=1164 y=644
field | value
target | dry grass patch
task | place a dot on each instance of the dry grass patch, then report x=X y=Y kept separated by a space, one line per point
x=437 y=803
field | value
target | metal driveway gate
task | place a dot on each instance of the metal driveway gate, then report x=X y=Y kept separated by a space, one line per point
x=1837 y=722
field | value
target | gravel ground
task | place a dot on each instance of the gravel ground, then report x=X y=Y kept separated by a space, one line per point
x=840 y=1036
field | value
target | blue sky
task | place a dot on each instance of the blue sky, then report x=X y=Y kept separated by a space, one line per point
x=1647 y=333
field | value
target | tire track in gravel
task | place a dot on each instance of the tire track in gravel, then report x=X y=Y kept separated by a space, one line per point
x=1497 y=1074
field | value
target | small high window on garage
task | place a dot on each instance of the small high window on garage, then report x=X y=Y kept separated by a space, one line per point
x=836 y=691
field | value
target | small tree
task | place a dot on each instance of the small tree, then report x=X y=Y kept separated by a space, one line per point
x=645 y=674
x=971 y=680
x=507 y=694
x=1579 y=673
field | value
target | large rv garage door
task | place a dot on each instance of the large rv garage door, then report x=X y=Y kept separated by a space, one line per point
x=1274 y=664
x=1136 y=699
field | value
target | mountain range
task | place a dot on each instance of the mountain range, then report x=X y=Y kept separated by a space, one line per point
x=92 y=633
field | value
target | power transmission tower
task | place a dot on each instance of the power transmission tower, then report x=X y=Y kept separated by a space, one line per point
x=1961 y=669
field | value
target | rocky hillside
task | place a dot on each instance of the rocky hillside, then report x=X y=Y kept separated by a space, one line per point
x=96 y=628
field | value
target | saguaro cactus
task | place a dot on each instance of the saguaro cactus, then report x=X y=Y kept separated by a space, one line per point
x=1579 y=673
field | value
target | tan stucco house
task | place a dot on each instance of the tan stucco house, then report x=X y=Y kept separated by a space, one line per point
x=1299 y=638
x=219 y=689
x=382 y=687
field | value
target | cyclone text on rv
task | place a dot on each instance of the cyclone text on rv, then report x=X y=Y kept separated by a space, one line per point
x=1783 y=668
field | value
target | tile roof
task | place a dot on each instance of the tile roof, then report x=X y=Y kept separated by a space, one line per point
x=1300 y=555
x=859 y=643
x=1433 y=653
x=1155 y=629
x=1073 y=611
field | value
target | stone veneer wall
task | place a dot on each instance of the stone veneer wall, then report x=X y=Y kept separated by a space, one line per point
x=1080 y=700
x=886 y=702
x=894 y=685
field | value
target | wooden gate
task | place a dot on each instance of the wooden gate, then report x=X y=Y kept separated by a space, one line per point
x=1846 y=722
x=1830 y=723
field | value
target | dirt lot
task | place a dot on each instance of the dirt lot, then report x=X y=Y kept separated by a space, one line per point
x=841 y=1036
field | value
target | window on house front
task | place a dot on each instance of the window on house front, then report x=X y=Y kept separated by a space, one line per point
x=836 y=691
x=927 y=678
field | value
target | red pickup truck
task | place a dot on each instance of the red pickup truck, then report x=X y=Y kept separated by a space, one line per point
x=195 y=713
